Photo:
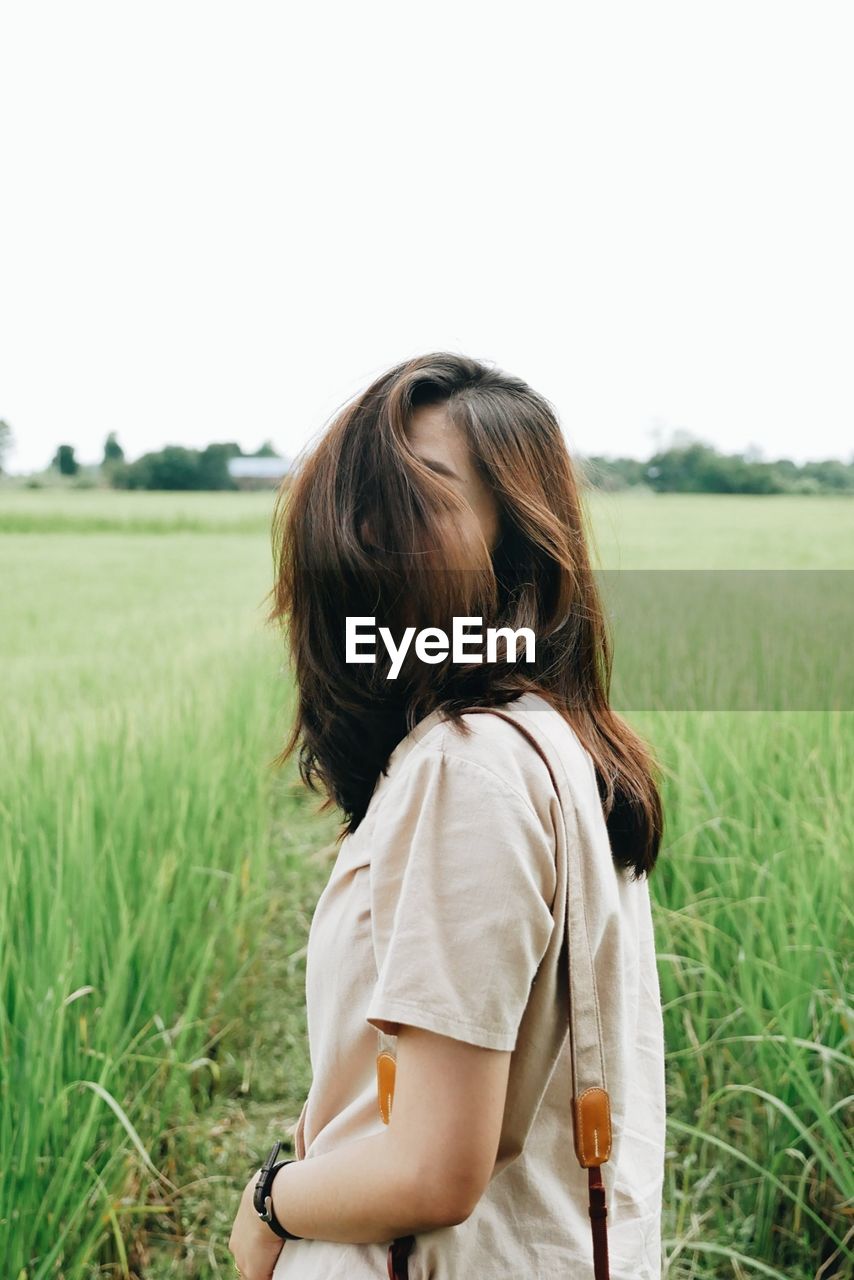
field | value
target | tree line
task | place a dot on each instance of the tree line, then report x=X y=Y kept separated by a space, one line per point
x=173 y=467
x=695 y=467
x=686 y=465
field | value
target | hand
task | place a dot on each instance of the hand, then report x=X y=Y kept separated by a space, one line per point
x=254 y=1245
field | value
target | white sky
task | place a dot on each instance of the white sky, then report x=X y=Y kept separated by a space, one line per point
x=221 y=221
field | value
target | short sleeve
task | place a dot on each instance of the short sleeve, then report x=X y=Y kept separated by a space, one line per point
x=463 y=879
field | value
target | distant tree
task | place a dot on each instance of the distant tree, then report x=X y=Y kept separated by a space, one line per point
x=266 y=451
x=64 y=460
x=113 y=451
x=698 y=468
x=691 y=466
x=171 y=468
x=213 y=466
x=175 y=467
x=832 y=476
x=785 y=467
x=612 y=473
x=6 y=439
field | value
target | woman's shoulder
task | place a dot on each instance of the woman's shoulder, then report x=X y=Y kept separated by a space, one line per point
x=492 y=747
x=489 y=754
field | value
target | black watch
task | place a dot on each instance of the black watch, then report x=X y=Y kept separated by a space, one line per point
x=262 y=1197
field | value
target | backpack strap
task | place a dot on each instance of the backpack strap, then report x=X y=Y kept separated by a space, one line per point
x=591 y=1107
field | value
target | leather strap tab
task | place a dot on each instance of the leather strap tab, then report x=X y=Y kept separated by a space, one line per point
x=386 y=1067
x=592 y=1127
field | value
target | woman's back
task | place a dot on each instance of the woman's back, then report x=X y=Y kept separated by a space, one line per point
x=440 y=913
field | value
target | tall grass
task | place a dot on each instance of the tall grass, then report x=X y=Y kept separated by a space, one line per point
x=135 y=836
x=129 y=878
x=754 y=935
x=148 y=857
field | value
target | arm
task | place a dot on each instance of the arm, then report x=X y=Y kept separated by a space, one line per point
x=427 y=1169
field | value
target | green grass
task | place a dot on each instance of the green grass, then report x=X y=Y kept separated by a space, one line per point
x=723 y=531
x=633 y=530
x=160 y=877
x=68 y=510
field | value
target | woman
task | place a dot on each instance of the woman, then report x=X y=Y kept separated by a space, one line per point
x=445 y=491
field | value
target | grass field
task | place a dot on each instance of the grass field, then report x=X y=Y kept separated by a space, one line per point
x=159 y=878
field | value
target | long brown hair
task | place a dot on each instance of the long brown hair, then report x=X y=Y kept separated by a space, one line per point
x=361 y=530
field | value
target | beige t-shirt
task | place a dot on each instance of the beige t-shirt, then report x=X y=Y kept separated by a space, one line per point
x=438 y=912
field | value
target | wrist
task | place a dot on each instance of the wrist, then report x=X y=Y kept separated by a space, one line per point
x=262 y=1195
x=278 y=1201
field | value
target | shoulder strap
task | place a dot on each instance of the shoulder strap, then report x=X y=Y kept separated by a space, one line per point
x=591 y=1106
x=591 y=1109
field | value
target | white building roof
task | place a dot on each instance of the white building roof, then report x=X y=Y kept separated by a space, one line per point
x=268 y=468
